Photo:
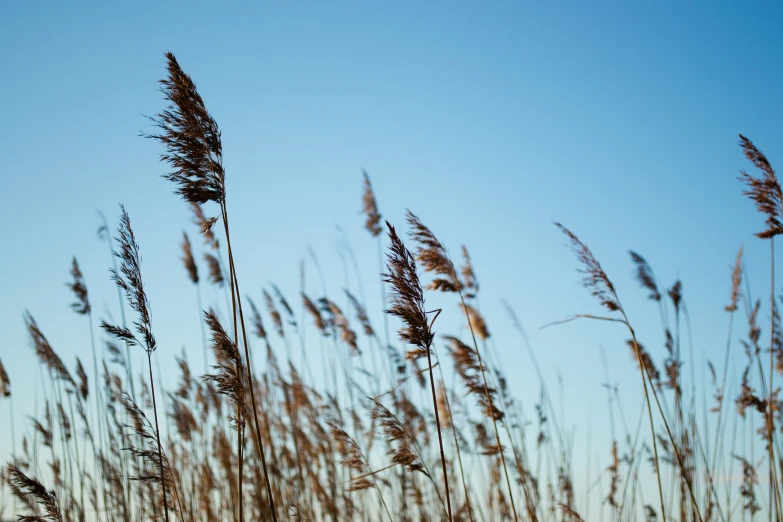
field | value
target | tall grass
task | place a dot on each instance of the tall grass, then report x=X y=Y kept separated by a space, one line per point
x=388 y=429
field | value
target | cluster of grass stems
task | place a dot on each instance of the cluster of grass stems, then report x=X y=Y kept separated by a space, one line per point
x=381 y=433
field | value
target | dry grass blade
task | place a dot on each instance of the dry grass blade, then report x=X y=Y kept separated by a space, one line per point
x=338 y=320
x=79 y=289
x=215 y=272
x=129 y=280
x=601 y=287
x=433 y=257
x=645 y=276
x=84 y=386
x=370 y=208
x=404 y=453
x=23 y=486
x=748 y=486
x=348 y=449
x=470 y=368
x=736 y=281
x=569 y=514
x=274 y=313
x=258 y=324
x=675 y=294
x=315 y=313
x=229 y=379
x=468 y=275
x=649 y=365
x=361 y=314
x=284 y=303
x=192 y=139
x=150 y=452
x=187 y=259
x=5 y=382
x=204 y=224
x=408 y=304
x=764 y=191
x=46 y=353
x=407 y=300
x=595 y=278
x=477 y=322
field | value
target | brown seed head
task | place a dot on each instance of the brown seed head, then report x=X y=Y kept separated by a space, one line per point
x=764 y=191
x=204 y=224
x=433 y=256
x=468 y=274
x=407 y=300
x=79 y=289
x=644 y=275
x=370 y=208
x=23 y=487
x=187 y=258
x=191 y=138
x=595 y=279
x=128 y=279
x=736 y=281
x=215 y=272
x=5 y=382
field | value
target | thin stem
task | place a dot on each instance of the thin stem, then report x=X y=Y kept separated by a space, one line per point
x=129 y=368
x=203 y=332
x=235 y=283
x=437 y=424
x=649 y=415
x=489 y=399
x=770 y=403
x=456 y=442
x=157 y=436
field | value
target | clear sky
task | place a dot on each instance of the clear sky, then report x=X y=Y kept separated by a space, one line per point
x=488 y=120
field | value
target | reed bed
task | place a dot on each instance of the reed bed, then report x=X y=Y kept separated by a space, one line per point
x=363 y=424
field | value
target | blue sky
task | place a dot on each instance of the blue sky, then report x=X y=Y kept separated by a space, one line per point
x=489 y=122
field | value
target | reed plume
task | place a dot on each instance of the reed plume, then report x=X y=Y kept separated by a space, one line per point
x=258 y=323
x=370 y=208
x=192 y=139
x=194 y=150
x=23 y=486
x=469 y=278
x=215 y=272
x=404 y=452
x=432 y=256
x=361 y=315
x=736 y=281
x=766 y=193
x=601 y=287
x=129 y=280
x=5 y=382
x=645 y=276
x=79 y=288
x=407 y=303
x=435 y=259
x=187 y=259
x=229 y=380
x=595 y=279
x=205 y=225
